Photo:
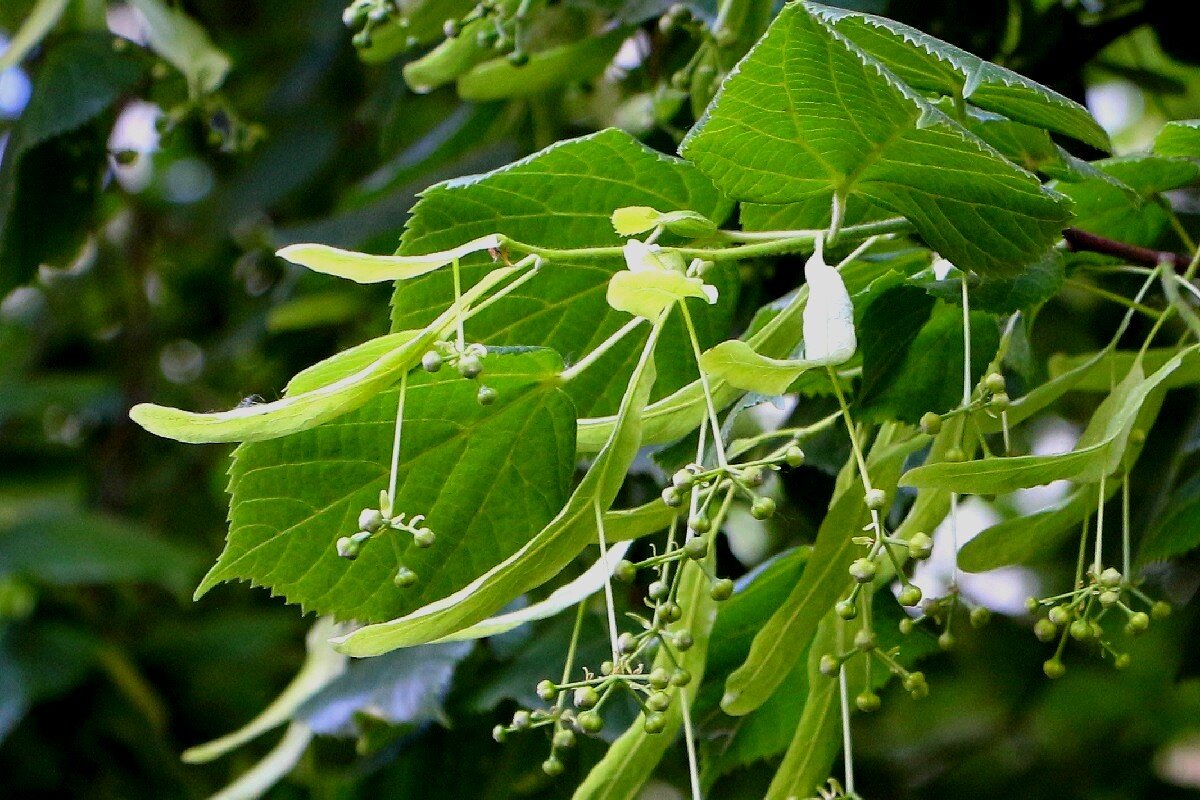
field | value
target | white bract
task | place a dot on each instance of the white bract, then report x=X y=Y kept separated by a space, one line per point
x=363 y=268
x=655 y=280
x=829 y=336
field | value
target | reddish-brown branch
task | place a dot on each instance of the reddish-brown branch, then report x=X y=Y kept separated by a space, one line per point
x=1078 y=241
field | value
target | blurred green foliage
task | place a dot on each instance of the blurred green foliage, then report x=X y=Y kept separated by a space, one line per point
x=152 y=276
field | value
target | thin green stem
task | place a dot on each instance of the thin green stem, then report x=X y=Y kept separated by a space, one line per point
x=578 y=367
x=1098 y=557
x=609 y=606
x=458 y=322
x=689 y=739
x=791 y=242
x=844 y=692
x=1112 y=297
x=396 y=440
x=718 y=442
x=1125 y=549
x=572 y=648
x=854 y=445
x=516 y=284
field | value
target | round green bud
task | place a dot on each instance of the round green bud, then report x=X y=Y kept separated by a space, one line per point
x=954 y=455
x=846 y=609
x=907 y=626
x=863 y=570
x=451 y=28
x=762 y=508
x=1054 y=669
x=1000 y=401
x=470 y=366
x=499 y=734
x=656 y=722
x=486 y=395
x=1059 y=615
x=553 y=766
x=658 y=590
x=547 y=690
x=680 y=678
x=1137 y=435
x=670 y=612
x=920 y=546
x=683 y=479
x=606 y=668
x=1109 y=597
x=1138 y=623
x=931 y=423
x=590 y=722
x=683 y=641
x=696 y=547
x=431 y=361
x=753 y=476
x=793 y=456
x=915 y=684
x=946 y=640
x=404 y=578
x=658 y=701
x=521 y=720
x=1160 y=610
x=564 y=739
x=659 y=678
x=423 y=537
x=910 y=595
x=995 y=383
x=1032 y=604
x=721 y=590
x=672 y=497
x=585 y=697
x=625 y=572
x=865 y=641
x=980 y=617
x=1081 y=630
x=1110 y=578
x=370 y=519
x=876 y=499
x=627 y=643
x=1045 y=630
x=699 y=523
x=829 y=665
x=1122 y=661
x=867 y=702
x=347 y=548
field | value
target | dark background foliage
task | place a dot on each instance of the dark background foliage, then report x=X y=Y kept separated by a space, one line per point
x=157 y=280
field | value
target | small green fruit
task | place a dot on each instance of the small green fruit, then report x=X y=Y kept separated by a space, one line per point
x=1138 y=623
x=721 y=590
x=1081 y=630
x=658 y=590
x=659 y=678
x=470 y=366
x=863 y=570
x=564 y=739
x=995 y=383
x=625 y=572
x=846 y=609
x=423 y=537
x=868 y=702
x=793 y=456
x=1045 y=630
x=920 y=546
x=585 y=697
x=680 y=678
x=876 y=499
x=699 y=523
x=404 y=578
x=946 y=641
x=931 y=423
x=1110 y=578
x=659 y=701
x=547 y=690
x=762 y=508
x=431 y=361
x=486 y=395
x=553 y=766
x=672 y=497
x=865 y=641
x=829 y=665
x=1054 y=669
x=655 y=722
x=910 y=595
x=589 y=722
x=521 y=720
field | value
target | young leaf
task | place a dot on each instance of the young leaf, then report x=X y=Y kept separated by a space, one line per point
x=308 y=409
x=564 y=197
x=1098 y=452
x=633 y=757
x=787 y=104
x=652 y=284
x=736 y=363
x=487 y=478
x=543 y=555
x=783 y=639
x=363 y=268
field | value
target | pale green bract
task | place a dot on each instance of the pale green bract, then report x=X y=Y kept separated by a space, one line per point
x=739 y=365
x=634 y=220
x=364 y=268
x=829 y=336
x=308 y=409
x=654 y=282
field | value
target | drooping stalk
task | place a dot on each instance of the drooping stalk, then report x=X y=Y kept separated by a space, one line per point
x=718 y=442
x=396 y=440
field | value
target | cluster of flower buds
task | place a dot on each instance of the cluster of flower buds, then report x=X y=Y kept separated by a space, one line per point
x=467 y=360
x=866 y=645
x=374 y=522
x=991 y=397
x=576 y=707
x=364 y=16
x=941 y=612
x=496 y=24
x=1089 y=613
